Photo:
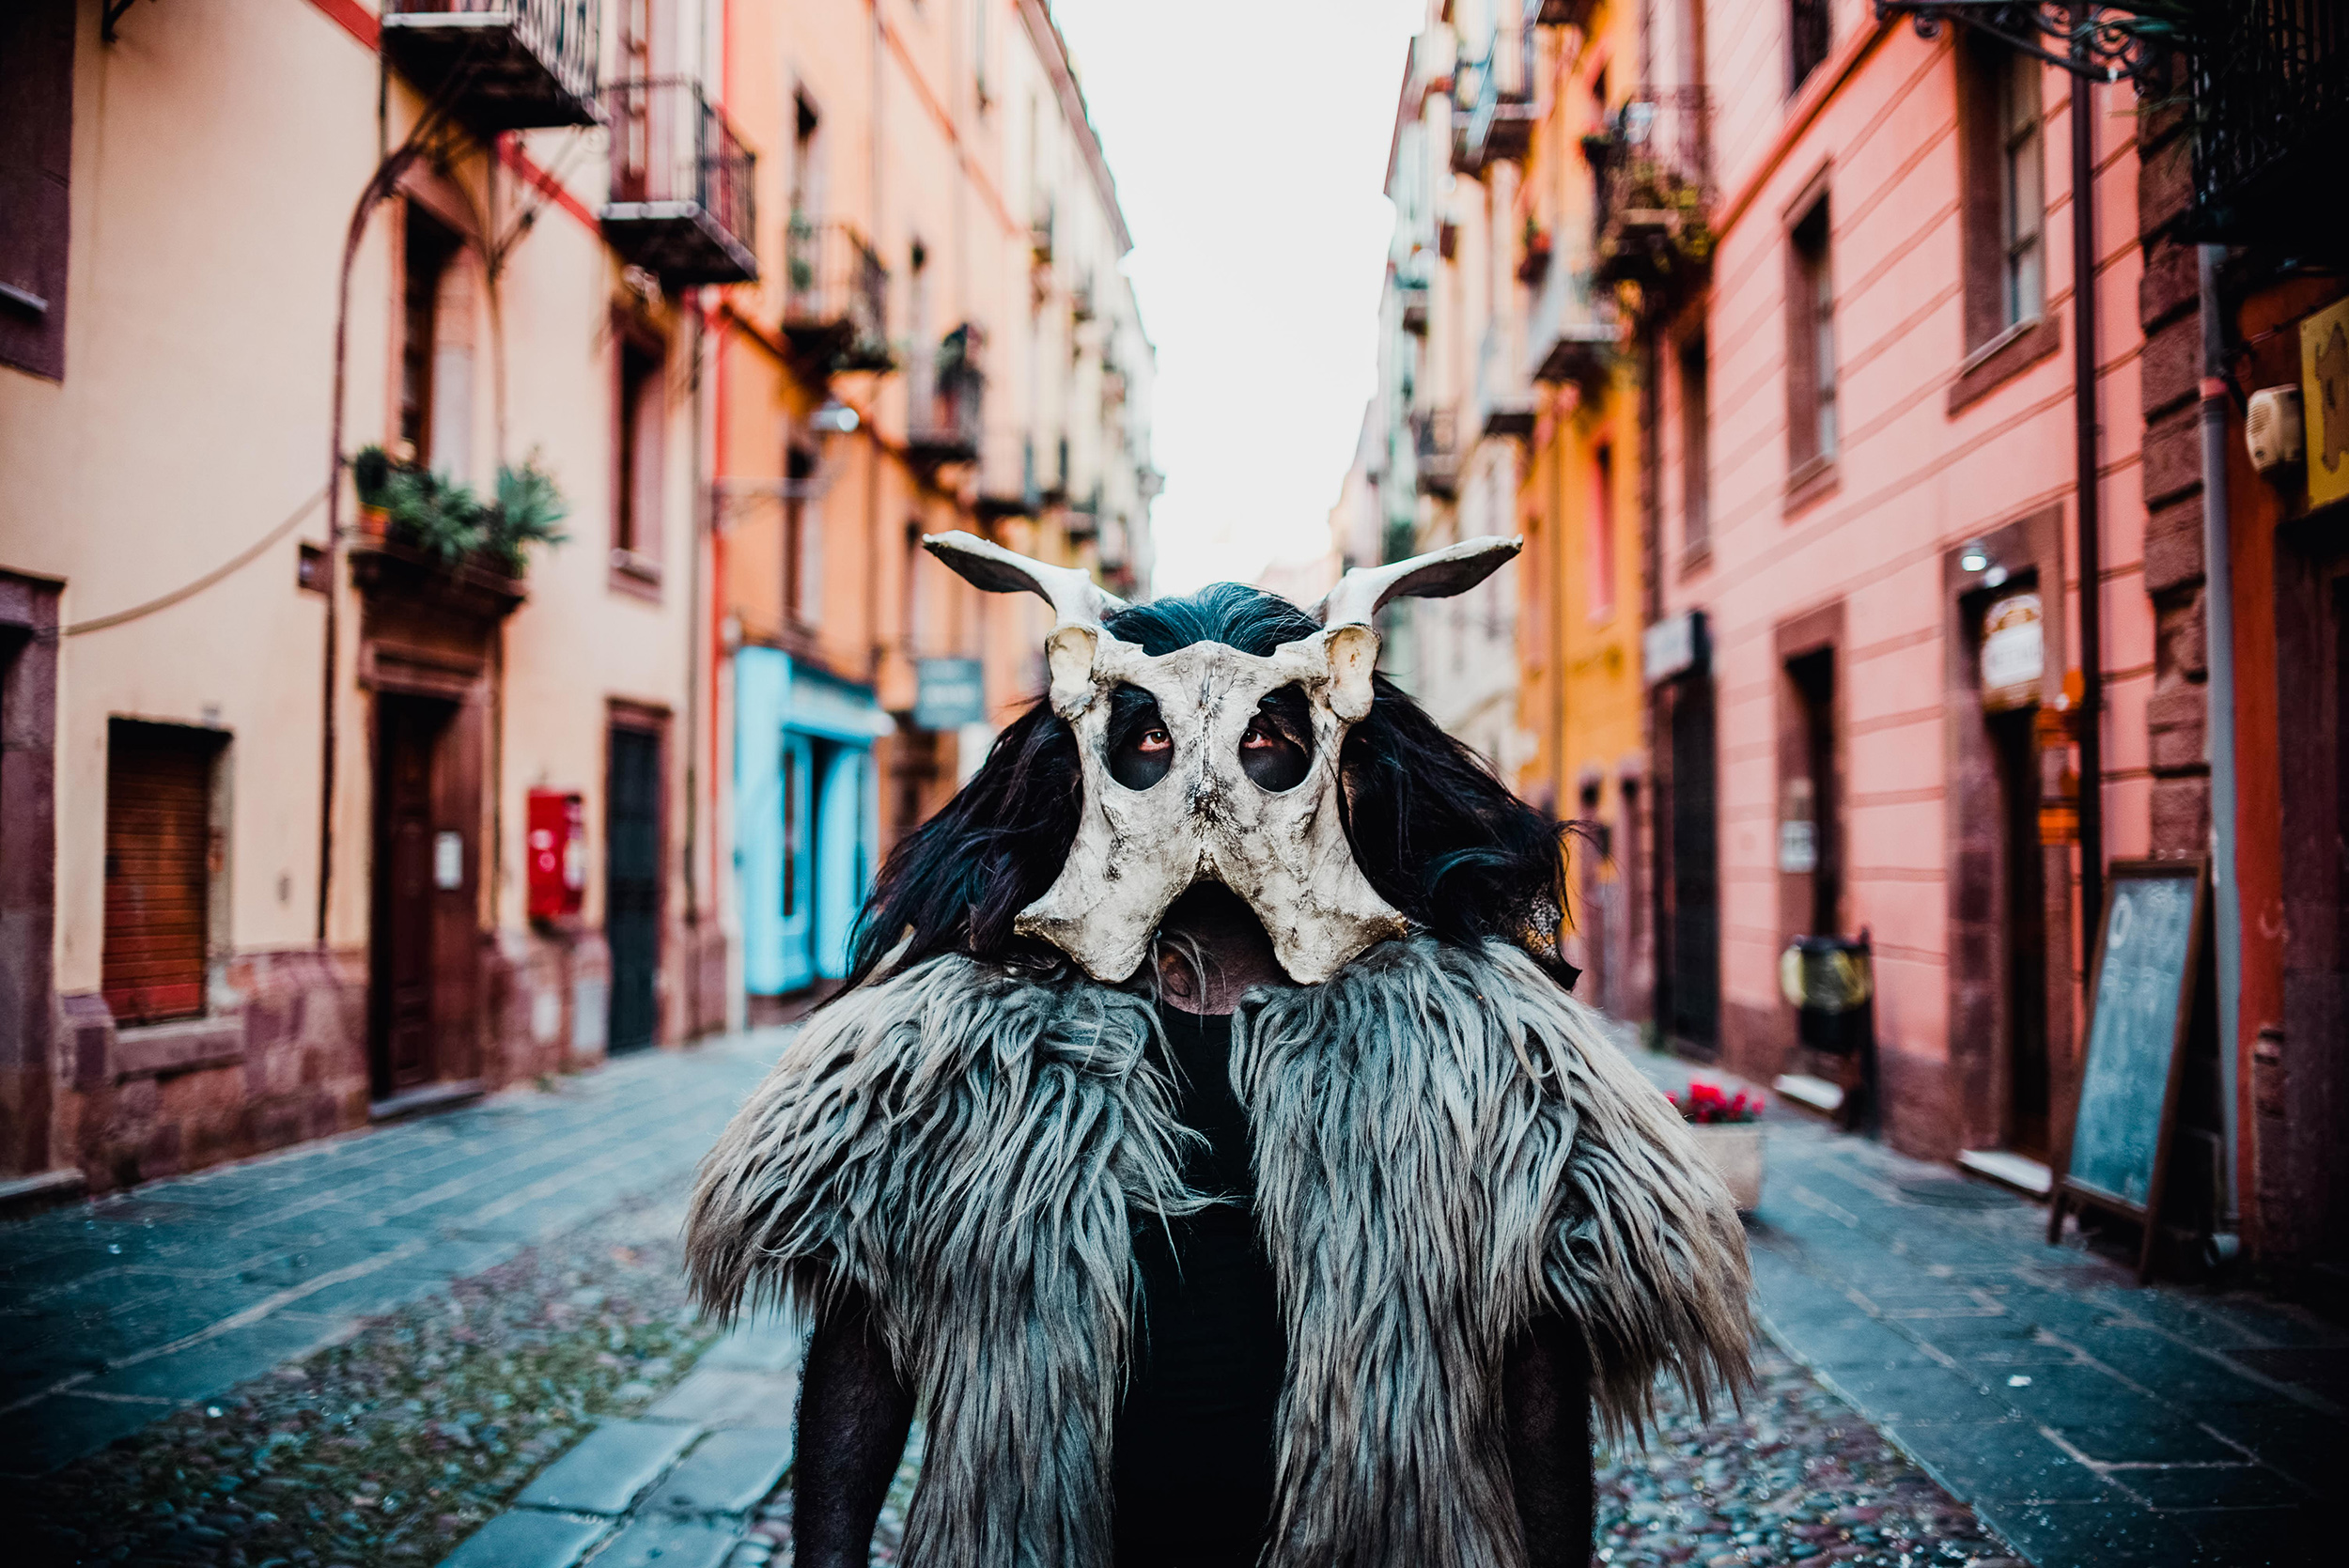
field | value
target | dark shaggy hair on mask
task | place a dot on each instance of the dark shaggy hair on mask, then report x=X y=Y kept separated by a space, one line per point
x=1437 y=833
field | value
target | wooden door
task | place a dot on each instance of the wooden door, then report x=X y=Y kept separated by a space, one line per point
x=2023 y=922
x=796 y=898
x=159 y=785
x=408 y=735
x=1692 y=934
x=631 y=921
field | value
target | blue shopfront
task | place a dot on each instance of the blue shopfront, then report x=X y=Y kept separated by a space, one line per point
x=807 y=817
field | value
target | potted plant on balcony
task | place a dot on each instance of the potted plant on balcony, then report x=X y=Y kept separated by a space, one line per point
x=1534 y=263
x=449 y=524
x=371 y=473
x=1727 y=1131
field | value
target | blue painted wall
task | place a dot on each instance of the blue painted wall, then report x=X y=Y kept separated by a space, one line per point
x=807 y=817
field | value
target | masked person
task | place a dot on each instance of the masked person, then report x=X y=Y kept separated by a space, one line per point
x=1207 y=1141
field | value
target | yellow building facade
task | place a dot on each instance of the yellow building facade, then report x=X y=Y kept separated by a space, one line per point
x=1580 y=507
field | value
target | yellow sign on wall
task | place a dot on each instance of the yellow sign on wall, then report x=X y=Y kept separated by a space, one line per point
x=2325 y=400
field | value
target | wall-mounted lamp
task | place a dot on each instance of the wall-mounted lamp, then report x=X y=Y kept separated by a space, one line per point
x=834 y=418
x=1973 y=556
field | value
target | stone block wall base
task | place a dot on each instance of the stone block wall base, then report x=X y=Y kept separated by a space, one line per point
x=548 y=991
x=284 y=1062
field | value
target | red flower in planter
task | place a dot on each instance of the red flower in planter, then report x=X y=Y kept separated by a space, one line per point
x=1706 y=1105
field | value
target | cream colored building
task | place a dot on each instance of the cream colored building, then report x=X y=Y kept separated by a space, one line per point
x=271 y=836
x=942 y=339
x=1450 y=395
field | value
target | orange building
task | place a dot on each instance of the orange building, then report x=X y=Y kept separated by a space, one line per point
x=943 y=339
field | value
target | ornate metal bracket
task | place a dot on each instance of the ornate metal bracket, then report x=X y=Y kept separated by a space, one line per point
x=2104 y=42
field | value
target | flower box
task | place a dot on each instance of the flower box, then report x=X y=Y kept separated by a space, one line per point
x=1734 y=1150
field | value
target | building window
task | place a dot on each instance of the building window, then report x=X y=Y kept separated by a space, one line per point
x=427 y=247
x=159 y=870
x=36 y=157
x=1696 y=449
x=1808 y=32
x=1811 y=401
x=2006 y=200
x=2024 y=204
x=643 y=407
x=1600 y=558
x=798 y=539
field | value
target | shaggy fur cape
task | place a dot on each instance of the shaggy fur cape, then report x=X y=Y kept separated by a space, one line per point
x=1445 y=1149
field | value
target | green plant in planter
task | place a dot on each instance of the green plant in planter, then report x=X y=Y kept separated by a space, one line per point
x=528 y=508
x=447 y=520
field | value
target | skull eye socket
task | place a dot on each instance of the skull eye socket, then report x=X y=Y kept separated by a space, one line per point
x=1277 y=750
x=1141 y=748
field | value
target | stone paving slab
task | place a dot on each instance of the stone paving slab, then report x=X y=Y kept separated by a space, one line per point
x=2092 y=1422
x=183 y=1288
x=607 y=1471
x=527 y=1539
x=667 y=1541
x=718 y=1396
x=728 y=1472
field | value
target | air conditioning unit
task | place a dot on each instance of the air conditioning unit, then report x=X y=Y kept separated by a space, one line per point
x=2274 y=431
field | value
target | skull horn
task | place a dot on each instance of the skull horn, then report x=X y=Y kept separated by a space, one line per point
x=1364 y=591
x=1074 y=597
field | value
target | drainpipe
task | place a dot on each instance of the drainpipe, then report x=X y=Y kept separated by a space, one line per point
x=2219 y=701
x=2091 y=714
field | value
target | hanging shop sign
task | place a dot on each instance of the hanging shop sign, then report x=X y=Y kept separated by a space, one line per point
x=2325 y=401
x=2013 y=653
x=1674 y=647
x=948 y=693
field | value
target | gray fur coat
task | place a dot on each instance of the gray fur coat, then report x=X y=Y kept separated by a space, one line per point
x=1446 y=1148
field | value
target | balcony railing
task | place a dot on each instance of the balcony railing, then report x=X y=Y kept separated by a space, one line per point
x=1436 y=453
x=1558 y=14
x=1504 y=398
x=835 y=299
x=2271 y=112
x=508 y=65
x=947 y=393
x=1496 y=95
x=1572 y=333
x=1007 y=477
x=1653 y=226
x=680 y=204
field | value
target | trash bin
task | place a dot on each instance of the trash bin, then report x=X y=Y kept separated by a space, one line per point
x=1830 y=983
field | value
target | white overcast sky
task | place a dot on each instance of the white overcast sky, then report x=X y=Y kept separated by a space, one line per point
x=1249 y=139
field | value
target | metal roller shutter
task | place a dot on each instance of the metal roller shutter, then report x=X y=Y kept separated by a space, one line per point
x=157 y=853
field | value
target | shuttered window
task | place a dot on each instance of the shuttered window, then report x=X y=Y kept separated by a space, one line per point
x=36 y=155
x=158 y=790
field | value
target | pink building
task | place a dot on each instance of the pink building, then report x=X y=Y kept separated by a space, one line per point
x=1863 y=469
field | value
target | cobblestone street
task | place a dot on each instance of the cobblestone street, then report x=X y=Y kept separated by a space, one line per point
x=468 y=1339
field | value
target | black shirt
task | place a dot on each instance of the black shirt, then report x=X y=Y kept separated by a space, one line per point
x=1193 y=1454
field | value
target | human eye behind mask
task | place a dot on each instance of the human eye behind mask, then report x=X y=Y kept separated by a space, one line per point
x=1141 y=749
x=1277 y=752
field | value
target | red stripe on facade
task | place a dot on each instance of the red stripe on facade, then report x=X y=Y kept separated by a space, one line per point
x=353 y=18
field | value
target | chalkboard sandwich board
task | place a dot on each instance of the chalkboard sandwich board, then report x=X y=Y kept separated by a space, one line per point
x=2140 y=1000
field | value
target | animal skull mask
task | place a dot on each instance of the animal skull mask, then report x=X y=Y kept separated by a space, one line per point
x=1283 y=851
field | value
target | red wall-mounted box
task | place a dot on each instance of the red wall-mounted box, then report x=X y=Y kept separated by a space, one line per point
x=558 y=853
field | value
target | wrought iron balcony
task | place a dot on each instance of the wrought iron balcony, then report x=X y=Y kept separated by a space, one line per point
x=1414 y=293
x=1496 y=95
x=508 y=65
x=680 y=204
x=1571 y=335
x=2270 y=86
x=1558 y=14
x=1653 y=222
x=1505 y=398
x=948 y=394
x=835 y=299
x=1436 y=453
x=1007 y=477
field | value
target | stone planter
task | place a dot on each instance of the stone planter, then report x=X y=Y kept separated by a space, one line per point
x=1734 y=1150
